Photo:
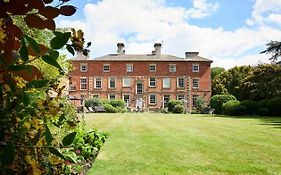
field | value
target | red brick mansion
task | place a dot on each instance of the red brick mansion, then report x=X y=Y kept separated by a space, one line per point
x=146 y=81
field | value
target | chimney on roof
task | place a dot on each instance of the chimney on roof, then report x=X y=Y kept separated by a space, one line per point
x=191 y=54
x=120 y=47
x=157 y=47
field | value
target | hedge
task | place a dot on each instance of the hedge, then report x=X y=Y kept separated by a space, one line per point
x=217 y=101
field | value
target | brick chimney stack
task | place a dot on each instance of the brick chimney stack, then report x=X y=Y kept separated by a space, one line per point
x=120 y=47
x=157 y=47
x=191 y=54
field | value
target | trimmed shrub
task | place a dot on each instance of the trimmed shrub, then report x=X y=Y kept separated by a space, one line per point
x=109 y=108
x=274 y=106
x=228 y=107
x=121 y=110
x=105 y=101
x=263 y=111
x=172 y=104
x=93 y=102
x=118 y=103
x=239 y=110
x=251 y=106
x=217 y=101
x=178 y=109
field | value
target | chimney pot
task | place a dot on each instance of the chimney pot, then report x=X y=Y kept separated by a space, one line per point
x=120 y=47
x=157 y=47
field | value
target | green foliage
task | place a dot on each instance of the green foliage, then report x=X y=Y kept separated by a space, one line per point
x=215 y=71
x=172 y=104
x=274 y=106
x=178 y=109
x=109 y=108
x=200 y=104
x=230 y=107
x=274 y=48
x=231 y=81
x=251 y=106
x=217 y=101
x=117 y=103
x=263 y=83
x=93 y=102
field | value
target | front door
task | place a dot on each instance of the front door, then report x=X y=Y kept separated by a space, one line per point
x=139 y=104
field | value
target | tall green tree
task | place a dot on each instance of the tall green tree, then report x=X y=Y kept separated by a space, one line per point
x=263 y=83
x=230 y=81
x=274 y=48
x=216 y=71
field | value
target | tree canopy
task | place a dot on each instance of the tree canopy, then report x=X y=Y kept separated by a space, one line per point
x=274 y=48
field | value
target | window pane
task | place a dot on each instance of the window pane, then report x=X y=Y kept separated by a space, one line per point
x=106 y=67
x=126 y=82
x=195 y=68
x=112 y=82
x=166 y=100
x=166 y=83
x=172 y=68
x=83 y=83
x=152 y=82
x=180 y=82
x=98 y=82
x=139 y=88
x=195 y=83
x=152 y=67
x=152 y=99
x=129 y=68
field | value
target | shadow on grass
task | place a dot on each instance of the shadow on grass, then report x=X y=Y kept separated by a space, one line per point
x=274 y=122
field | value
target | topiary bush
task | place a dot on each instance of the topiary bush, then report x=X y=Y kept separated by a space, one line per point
x=109 y=108
x=274 y=106
x=217 y=101
x=118 y=103
x=178 y=109
x=93 y=102
x=228 y=107
x=251 y=106
x=172 y=104
x=239 y=110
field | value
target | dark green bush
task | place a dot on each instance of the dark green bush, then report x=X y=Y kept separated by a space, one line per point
x=218 y=100
x=228 y=107
x=121 y=110
x=109 y=108
x=251 y=106
x=263 y=111
x=263 y=103
x=239 y=110
x=178 y=109
x=93 y=102
x=118 y=103
x=172 y=104
x=274 y=106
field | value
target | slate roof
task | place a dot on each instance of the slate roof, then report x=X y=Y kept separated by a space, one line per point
x=142 y=57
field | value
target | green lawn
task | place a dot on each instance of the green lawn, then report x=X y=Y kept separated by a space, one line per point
x=147 y=143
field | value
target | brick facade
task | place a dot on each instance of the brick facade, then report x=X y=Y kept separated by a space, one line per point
x=89 y=79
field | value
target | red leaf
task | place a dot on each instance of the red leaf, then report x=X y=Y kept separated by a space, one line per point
x=26 y=75
x=14 y=30
x=16 y=7
x=34 y=21
x=43 y=50
x=50 y=12
x=36 y=4
x=67 y=10
x=47 y=1
x=50 y=24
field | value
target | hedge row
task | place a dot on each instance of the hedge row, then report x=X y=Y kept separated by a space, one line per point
x=113 y=106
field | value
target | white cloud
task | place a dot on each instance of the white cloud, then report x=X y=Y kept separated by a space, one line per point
x=275 y=18
x=201 y=8
x=141 y=23
x=263 y=9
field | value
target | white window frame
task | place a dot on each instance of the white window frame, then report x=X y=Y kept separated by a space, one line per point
x=111 y=95
x=106 y=70
x=95 y=82
x=128 y=81
x=152 y=70
x=137 y=88
x=195 y=68
x=178 y=82
x=127 y=103
x=130 y=67
x=72 y=87
x=166 y=80
x=83 y=67
x=155 y=99
x=165 y=103
x=180 y=95
x=83 y=83
x=109 y=82
x=194 y=98
x=195 y=83
x=172 y=68
x=155 y=81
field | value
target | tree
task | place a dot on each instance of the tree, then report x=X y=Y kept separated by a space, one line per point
x=230 y=81
x=216 y=71
x=263 y=83
x=273 y=48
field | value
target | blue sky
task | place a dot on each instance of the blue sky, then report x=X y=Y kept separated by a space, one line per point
x=230 y=32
